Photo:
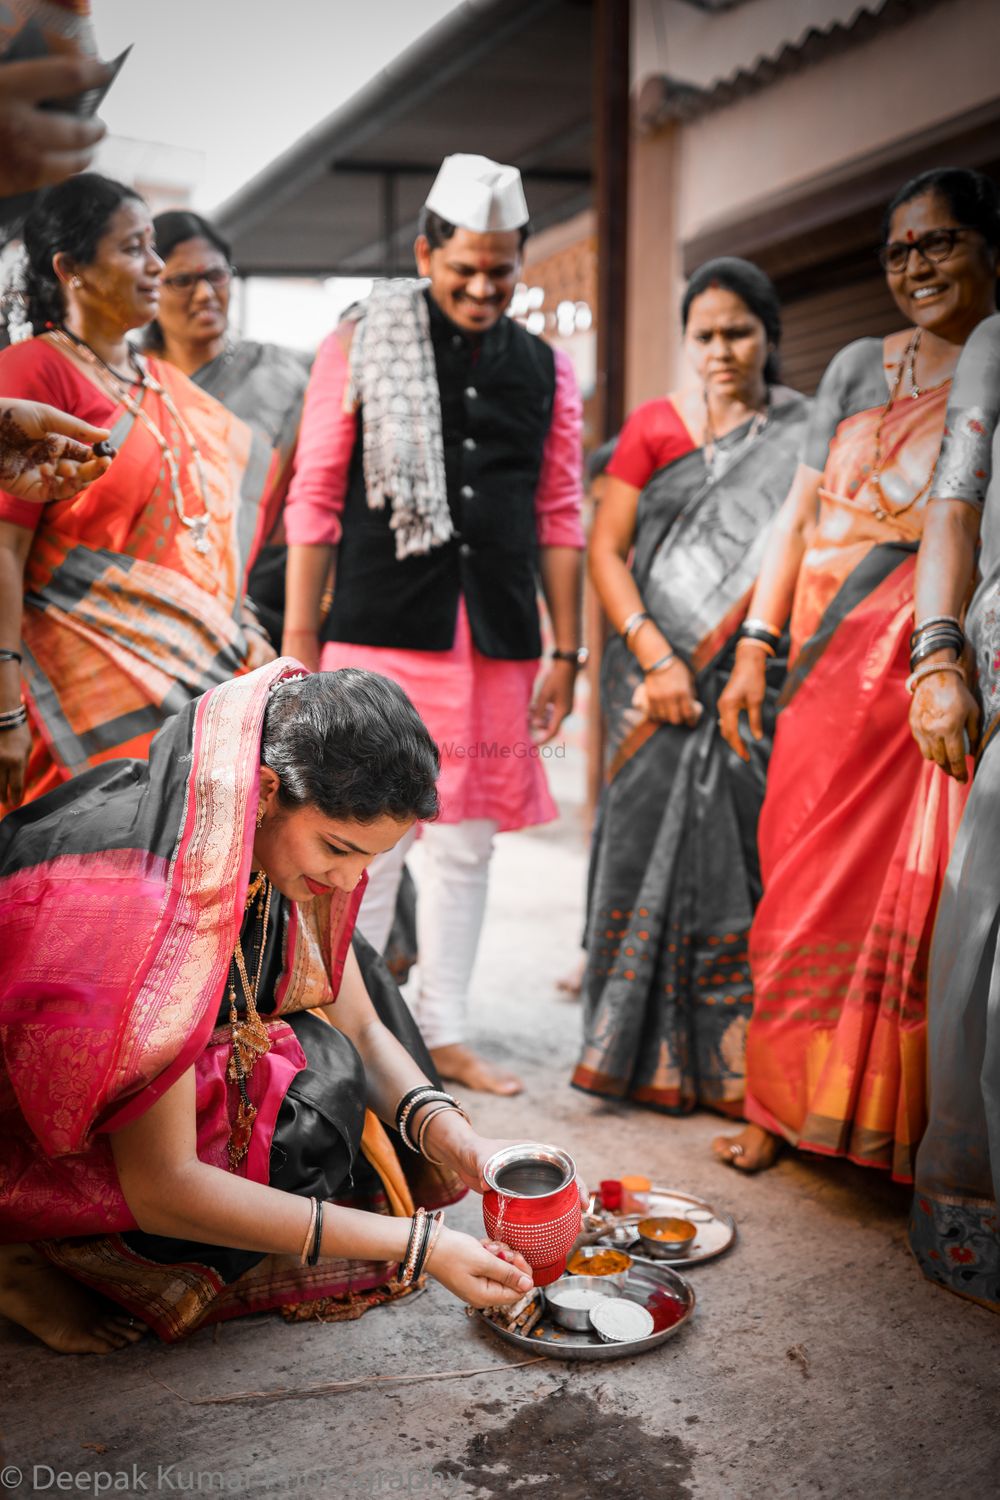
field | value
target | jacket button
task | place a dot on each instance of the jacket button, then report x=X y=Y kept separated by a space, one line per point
x=471 y=392
x=457 y=341
x=469 y=444
x=465 y=550
x=467 y=492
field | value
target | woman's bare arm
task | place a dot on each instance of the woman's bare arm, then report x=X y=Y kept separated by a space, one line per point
x=667 y=694
x=943 y=710
x=171 y=1192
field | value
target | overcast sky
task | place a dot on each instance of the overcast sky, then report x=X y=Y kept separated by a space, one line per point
x=241 y=80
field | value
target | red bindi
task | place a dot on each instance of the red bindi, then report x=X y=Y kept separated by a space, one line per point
x=910 y=236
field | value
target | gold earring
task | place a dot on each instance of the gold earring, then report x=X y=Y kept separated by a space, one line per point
x=260 y=814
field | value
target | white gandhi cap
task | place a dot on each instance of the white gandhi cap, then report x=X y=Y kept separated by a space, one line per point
x=475 y=193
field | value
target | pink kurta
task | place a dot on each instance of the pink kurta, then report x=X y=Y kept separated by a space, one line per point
x=475 y=707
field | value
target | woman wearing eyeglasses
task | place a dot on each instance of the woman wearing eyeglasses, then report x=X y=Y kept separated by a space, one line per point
x=856 y=829
x=264 y=384
x=119 y=604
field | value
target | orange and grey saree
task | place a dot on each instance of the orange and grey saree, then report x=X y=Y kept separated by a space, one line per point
x=856 y=827
x=125 y=618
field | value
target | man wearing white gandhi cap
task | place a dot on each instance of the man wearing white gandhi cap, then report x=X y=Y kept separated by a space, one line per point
x=439 y=469
x=475 y=193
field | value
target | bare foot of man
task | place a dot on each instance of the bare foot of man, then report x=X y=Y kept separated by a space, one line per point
x=753 y=1150
x=459 y=1064
x=58 y=1310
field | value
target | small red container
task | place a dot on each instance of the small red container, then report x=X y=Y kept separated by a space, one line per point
x=611 y=1195
x=532 y=1204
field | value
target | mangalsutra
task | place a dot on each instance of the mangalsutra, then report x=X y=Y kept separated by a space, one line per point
x=250 y=1040
x=885 y=511
x=119 y=389
x=708 y=451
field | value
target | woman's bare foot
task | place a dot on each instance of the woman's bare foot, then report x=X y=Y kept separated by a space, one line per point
x=571 y=983
x=58 y=1310
x=753 y=1150
x=459 y=1064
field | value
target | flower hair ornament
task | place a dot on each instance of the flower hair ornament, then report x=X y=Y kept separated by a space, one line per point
x=13 y=289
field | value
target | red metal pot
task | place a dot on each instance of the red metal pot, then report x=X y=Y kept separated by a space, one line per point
x=533 y=1205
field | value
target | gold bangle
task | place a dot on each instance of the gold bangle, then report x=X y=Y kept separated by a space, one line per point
x=751 y=640
x=416 y=1236
x=928 y=669
x=307 y=1244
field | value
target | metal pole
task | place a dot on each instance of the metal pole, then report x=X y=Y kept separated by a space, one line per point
x=611 y=170
x=389 y=223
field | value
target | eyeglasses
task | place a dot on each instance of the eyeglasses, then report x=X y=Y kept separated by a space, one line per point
x=186 y=281
x=934 y=246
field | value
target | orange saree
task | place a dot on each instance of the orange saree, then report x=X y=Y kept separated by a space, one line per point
x=126 y=619
x=856 y=828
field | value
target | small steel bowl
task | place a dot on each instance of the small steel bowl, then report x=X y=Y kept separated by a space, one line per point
x=621 y=1237
x=675 y=1236
x=577 y=1318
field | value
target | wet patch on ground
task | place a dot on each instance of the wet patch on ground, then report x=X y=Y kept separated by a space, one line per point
x=566 y=1445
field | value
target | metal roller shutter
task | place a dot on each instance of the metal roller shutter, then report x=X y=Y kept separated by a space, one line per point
x=818 y=323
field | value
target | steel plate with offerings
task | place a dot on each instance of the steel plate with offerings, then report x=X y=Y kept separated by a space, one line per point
x=666 y=1297
x=714 y=1231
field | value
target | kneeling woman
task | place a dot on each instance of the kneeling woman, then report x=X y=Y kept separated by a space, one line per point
x=174 y=1102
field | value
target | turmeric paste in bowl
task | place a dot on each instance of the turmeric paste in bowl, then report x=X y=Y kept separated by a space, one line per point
x=593 y=1261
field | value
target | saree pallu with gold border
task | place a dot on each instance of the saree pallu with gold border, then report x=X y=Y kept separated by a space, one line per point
x=856 y=827
x=121 y=900
x=125 y=619
x=674 y=876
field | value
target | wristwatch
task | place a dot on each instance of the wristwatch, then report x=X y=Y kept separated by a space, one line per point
x=579 y=657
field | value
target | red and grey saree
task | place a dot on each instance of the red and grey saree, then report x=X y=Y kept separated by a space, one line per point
x=674 y=876
x=121 y=901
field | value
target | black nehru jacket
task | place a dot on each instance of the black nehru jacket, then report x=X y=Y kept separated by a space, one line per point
x=497 y=393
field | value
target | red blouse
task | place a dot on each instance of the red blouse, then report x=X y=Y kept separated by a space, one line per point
x=34 y=371
x=653 y=435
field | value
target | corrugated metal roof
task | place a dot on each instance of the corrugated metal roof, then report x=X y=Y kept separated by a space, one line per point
x=508 y=78
x=664 y=97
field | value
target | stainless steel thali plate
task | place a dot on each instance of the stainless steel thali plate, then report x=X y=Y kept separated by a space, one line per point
x=656 y=1287
x=715 y=1231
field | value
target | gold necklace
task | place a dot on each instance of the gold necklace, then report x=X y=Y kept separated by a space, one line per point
x=115 y=386
x=250 y=1039
x=885 y=511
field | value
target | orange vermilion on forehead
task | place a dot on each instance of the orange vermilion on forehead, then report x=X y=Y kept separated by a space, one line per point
x=485 y=263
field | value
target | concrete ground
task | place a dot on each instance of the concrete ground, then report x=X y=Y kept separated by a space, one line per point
x=819 y=1363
